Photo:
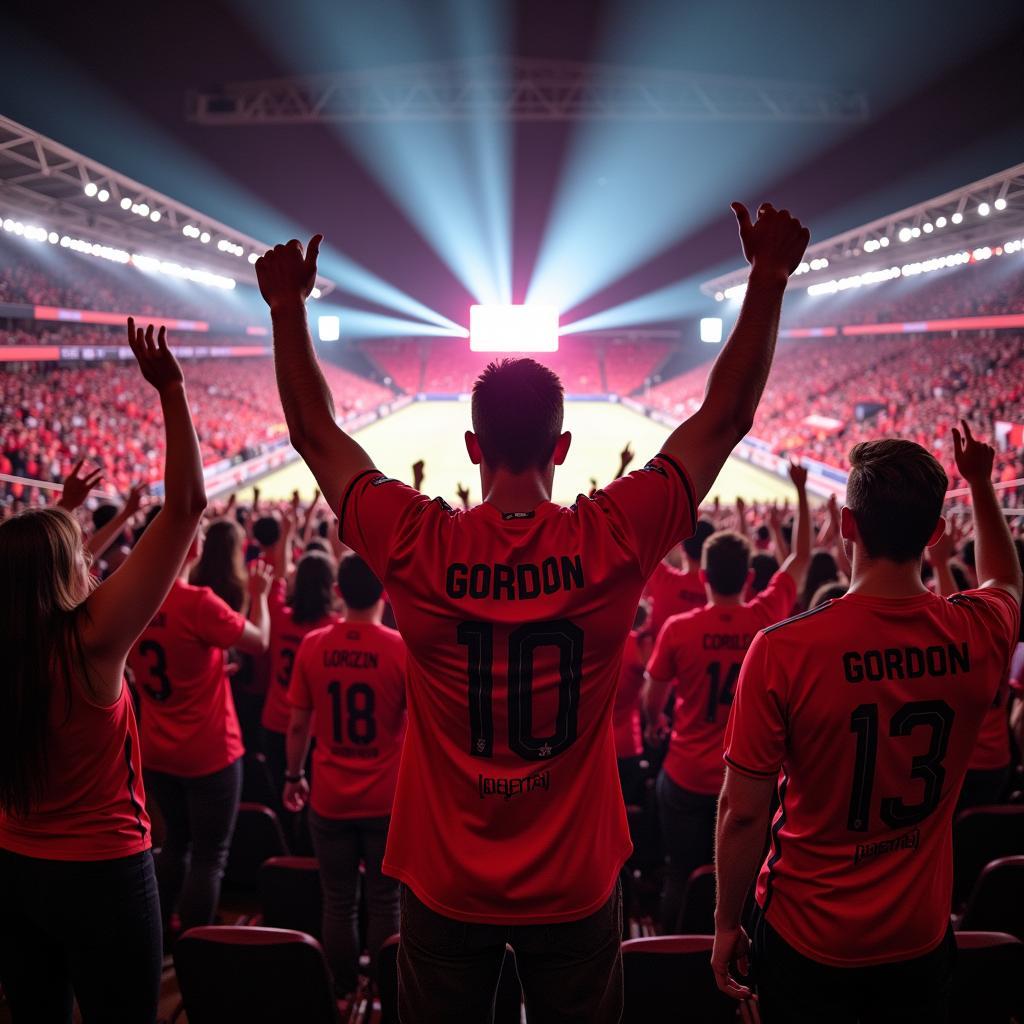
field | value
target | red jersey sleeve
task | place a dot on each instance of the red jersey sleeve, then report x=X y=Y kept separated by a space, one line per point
x=652 y=509
x=775 y=602
x=216 y=623
x=379 y=518
x=663 y=663
x=996 y=613
x=299 y=695
x=755 y=738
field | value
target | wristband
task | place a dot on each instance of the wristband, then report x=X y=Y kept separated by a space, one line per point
x=297 y=777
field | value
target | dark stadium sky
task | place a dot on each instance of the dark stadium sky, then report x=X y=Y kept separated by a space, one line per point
x=944 y=81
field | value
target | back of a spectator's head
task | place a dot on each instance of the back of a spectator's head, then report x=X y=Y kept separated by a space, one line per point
x=358 y=586
x=517 y=413
x=693 y=546
x=895 y=493
x=726 y=562
x=317 y=545
x=103 y=514
x=763 y=534
x=764 y=567
x=266 y=531
x=827 y=592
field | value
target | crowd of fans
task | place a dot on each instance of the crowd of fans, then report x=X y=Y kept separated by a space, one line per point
x=52 y=416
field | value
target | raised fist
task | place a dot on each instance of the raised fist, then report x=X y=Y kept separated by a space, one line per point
x=286 y=274
x=774 y=244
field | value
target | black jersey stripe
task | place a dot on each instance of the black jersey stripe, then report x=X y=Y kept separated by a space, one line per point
x=686 y=485
x=750 y=771
x=776 y=856
x=796 y=618
x=136 y=806
x=344 y=501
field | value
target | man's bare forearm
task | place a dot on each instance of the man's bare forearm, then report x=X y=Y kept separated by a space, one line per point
x=994 y=550
x=739 y=848
x=737 y=379
x=305 y=396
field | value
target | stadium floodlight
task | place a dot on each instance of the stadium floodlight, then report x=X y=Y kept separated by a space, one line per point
x=329 y=328
x=498 y=328
x=905 y=234
x=940 y=222
x=957 y=217
x=316 y=293
x=1000 y=203
x=91 y=188
x=155 y=216
x=983 y=209
x=711 y=330
x=103 y=195
x=126 y=203
x=927 y=228
x=204 y=237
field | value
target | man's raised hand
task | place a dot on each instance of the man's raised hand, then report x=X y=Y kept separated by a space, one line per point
x=155 y=359
x=774 y=244
x=286 y=274
x=974 y=459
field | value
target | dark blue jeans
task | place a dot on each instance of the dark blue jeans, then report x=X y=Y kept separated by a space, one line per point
x=448 y=970
x=340 y=845
x=85 y=929
x=200 y=816
x=688 y=836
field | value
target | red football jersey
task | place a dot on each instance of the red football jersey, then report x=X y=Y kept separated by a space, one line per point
x=702 y=652
x=870 y=707
x=94 y=805
x=352 y=675
x=189 y=724
x=672 y=592
x=629 y=738
x=509 y=808
x=285 y=637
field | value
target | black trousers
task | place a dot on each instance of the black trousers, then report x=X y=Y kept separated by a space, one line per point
x=794 y=989
x=448 y=970
x=688 y=836
x=200 y=815
x=85 y=929
x=340 y=845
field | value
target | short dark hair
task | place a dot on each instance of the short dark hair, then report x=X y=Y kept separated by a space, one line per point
x=895 y=491
x=317 y=545
x=102 y=515
x=726 y=562
x=267 y=531
x=517 y=414
x=694 y=545
x=765 y=566
x=360 y=589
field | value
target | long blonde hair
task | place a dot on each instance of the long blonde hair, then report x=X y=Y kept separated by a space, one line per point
x=41 y=596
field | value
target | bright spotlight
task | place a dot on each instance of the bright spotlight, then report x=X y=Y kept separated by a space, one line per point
x=154 y=216
x=329 y=328
x=126 y=203
x=905 y=234
x=927 y=228
x=711 y=330
x=983 y=209
x=103 y=195
x=940 y=222
x=957 y=217
x=204 y=237
x=316 y=293
x=90 y=189
x=883 y=241
x=513 y=328
x=253 y=257
x=53 y=238
x=1000 y=203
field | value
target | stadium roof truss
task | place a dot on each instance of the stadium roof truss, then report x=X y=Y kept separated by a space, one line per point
x=846 y=253
x=522 y=90
x=43 y=181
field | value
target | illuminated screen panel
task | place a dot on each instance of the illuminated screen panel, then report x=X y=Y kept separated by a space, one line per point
x=513 y=328
x=711 y=330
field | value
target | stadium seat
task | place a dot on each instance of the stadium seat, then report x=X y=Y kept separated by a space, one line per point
x=668 y=980
x=997 y=902
x=697 y=916
x=253 y=976
x=980 y=836
x=987 y=986
x=291 y=895
x=258 y=837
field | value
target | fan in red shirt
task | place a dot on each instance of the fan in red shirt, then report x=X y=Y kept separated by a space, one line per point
x=869 y=706
x=191 y=740
x=310 y=608
x=673 y=591
x=81 y=917
x=700 y=653
x=348 y=688
x=627 y=725
x=508 y=813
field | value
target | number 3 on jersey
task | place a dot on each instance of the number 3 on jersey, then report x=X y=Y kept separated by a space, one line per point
x=567 y=639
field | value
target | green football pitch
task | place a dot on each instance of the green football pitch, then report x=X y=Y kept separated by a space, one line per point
x=433 y=431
